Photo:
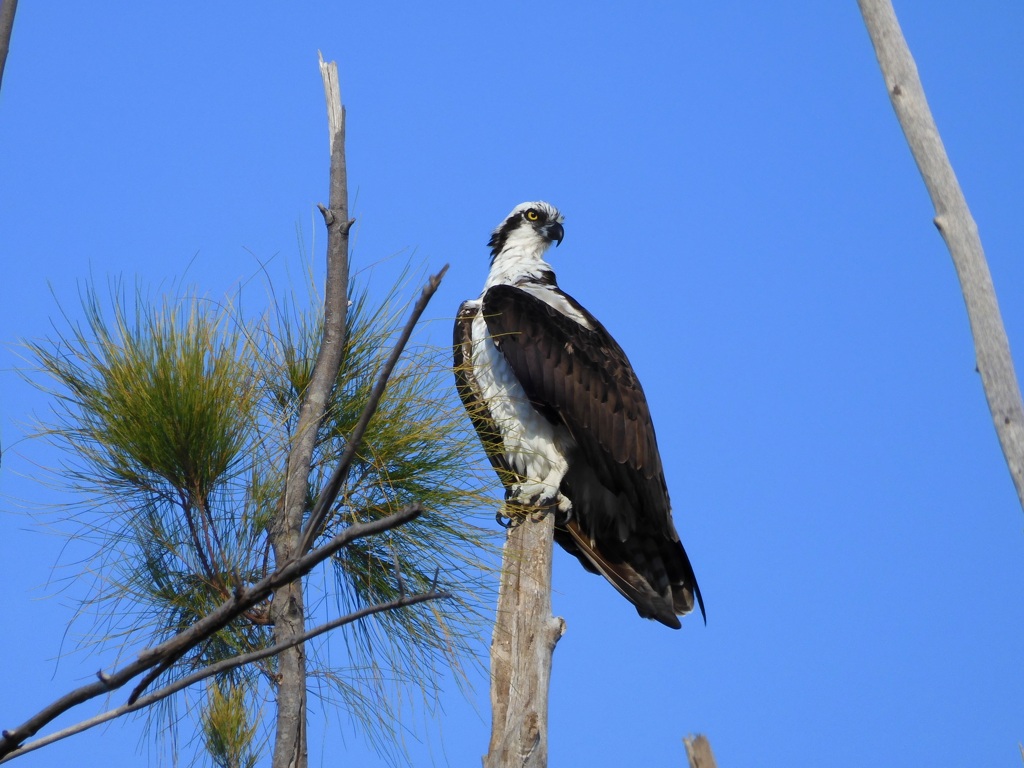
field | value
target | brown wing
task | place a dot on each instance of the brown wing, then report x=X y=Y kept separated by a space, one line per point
x=581 y=378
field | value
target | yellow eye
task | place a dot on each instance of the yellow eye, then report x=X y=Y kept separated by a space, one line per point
x=532 y=215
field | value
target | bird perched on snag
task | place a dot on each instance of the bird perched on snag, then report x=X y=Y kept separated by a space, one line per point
x=565 y=423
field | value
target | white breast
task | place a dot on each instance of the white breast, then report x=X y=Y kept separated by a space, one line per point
x=534 y=446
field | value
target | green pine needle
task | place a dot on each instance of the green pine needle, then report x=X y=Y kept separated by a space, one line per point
x=176 y=419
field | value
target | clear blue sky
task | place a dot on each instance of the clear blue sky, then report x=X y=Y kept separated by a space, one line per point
x=741 y=212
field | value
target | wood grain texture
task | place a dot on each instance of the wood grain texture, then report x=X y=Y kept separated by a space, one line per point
x=525 y=634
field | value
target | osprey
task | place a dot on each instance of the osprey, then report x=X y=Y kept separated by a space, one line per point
x=564 y=421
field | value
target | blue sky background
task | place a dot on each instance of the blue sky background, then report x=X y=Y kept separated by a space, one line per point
x=742 y=213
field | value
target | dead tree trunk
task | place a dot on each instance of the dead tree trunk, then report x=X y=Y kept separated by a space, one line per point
x=288 y=608
x=957 y=227
x=525 y=634
x=698 y=752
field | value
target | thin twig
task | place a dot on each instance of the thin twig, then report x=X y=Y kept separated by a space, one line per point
x=205 y=627
x=204 y=562
x=332 y=487
x=223 y=666
x=398 y=571
x=154 y=673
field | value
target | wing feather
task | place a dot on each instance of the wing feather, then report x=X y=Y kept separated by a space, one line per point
x=579 y=376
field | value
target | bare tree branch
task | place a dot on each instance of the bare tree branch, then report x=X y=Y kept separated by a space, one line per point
x=958 y=228
x=332 y=487
x=220 y=667
x=242 y=600
x=7 y=11
x=525 y=634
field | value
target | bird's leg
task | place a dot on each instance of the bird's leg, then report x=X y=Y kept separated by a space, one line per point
x=534 y=493
x=515 y=511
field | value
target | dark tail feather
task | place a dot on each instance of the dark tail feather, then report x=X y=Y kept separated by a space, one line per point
x=684 y=586
x=630 y=584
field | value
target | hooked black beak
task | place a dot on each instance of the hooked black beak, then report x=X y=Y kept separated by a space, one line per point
x=553 y=231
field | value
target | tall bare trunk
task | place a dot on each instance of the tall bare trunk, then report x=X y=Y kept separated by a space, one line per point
x=288 y=609
x=957 y=227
